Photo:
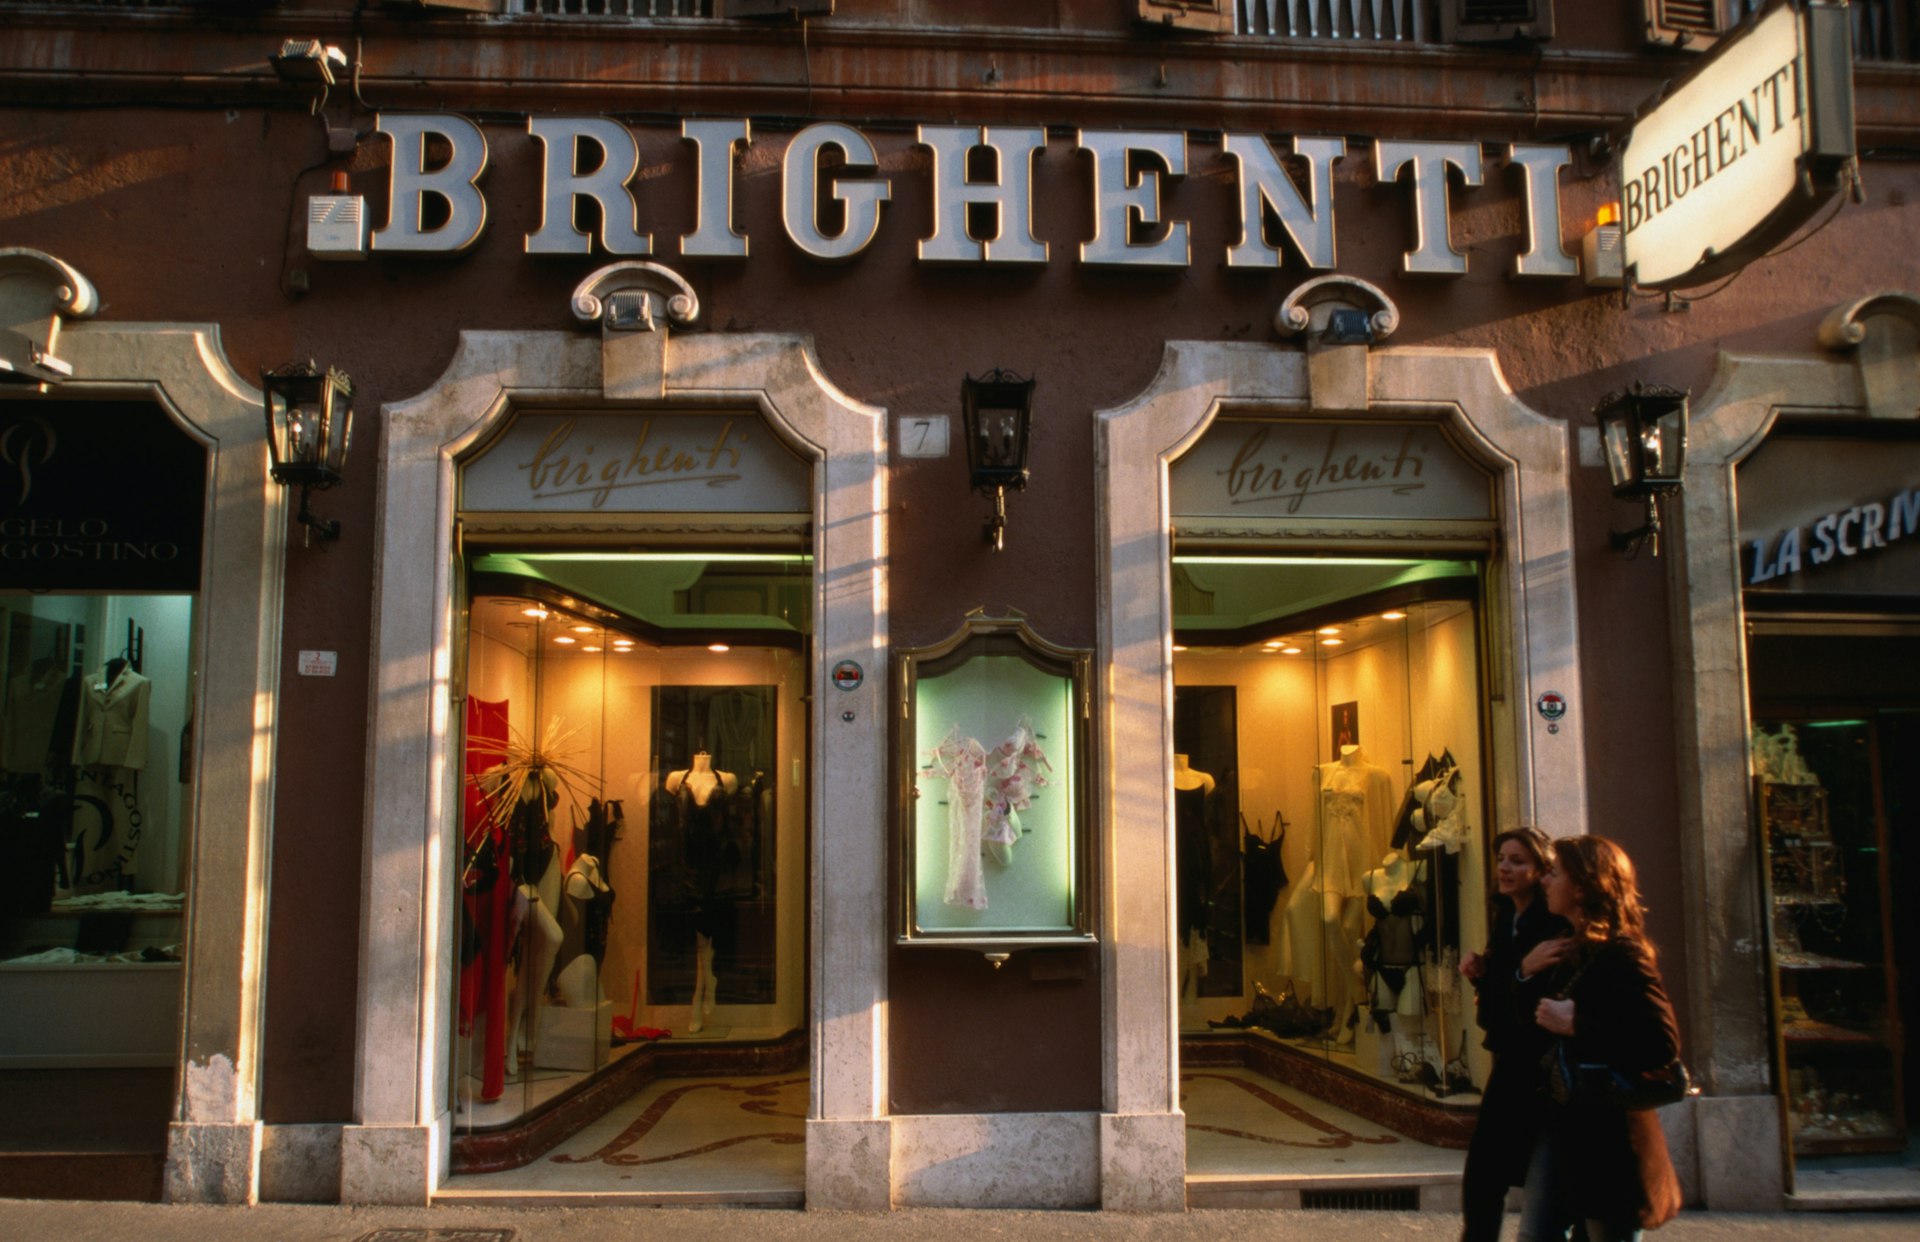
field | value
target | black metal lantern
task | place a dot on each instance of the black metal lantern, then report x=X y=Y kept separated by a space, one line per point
x=997 y=416
x=309 y=429
x=1643 y=434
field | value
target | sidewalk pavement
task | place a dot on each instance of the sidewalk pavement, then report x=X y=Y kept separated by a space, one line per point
x=44 y=1221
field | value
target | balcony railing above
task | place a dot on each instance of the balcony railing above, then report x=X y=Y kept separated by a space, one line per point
x=1883 y=30
x=1402 y=21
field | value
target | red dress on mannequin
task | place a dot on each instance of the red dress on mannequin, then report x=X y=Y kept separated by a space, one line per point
x=487 y=894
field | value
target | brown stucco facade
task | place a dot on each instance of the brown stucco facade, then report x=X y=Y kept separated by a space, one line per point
x=155 y=152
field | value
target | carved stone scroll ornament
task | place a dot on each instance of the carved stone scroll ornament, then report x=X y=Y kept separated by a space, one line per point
x=38 y=291
x=1882 y=332
x=1310 y=307
x=634 y=296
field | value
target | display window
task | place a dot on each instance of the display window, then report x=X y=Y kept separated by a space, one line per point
x=633 y=812
x=96 y=741
x=1835 y=745
x=1329 y=794
x=994 y=728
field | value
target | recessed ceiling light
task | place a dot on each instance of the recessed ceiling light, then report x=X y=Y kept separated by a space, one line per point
x=1290 y=651
x=565 y=639
x=1331 y=642
x=536 y=612
x=583 y=629
x=718 y=648
x=1393 y=616
x=1179 y=647
x=589 y=648
x=1328 y=629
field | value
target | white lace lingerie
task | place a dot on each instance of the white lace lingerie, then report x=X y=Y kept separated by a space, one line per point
x=987 y=790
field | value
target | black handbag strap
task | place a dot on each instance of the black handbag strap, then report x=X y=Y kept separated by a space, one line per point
x=1586 y=960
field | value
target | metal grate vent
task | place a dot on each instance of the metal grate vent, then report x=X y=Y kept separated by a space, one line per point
x=1381 y=1199
x=1696 y=15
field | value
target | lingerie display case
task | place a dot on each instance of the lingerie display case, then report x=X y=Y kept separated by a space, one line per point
x=1839 y=1044
x=994 y=747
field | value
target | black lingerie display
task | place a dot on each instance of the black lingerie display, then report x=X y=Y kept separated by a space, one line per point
x=1194 y=862
x=1266 y=876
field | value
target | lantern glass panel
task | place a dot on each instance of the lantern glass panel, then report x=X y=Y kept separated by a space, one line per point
x=998 y=438
x=1665 y=438
x=1617 y=439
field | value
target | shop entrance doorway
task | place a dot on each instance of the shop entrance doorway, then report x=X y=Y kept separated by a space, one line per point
x=1329 y=823
x=1836 y=763
x=631 y=1004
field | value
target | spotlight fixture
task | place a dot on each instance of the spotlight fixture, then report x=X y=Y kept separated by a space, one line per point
x=308 y=60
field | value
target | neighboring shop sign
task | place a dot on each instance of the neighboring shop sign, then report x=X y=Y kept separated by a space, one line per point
x=1743 y=151
x=1268 y=468
x=1833 y=517
x=633 y=463
x=99 y=496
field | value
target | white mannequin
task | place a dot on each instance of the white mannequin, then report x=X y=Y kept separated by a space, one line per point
x=1186 y=776
x=1355 y=824
x=700 y=780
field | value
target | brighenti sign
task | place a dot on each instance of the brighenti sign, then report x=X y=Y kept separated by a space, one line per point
x=1743 y=151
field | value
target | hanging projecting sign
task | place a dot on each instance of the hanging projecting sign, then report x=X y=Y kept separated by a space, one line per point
x=1742 y=152
x=568 y=462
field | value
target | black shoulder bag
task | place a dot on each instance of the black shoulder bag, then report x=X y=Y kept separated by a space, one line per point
x=1585 y=1082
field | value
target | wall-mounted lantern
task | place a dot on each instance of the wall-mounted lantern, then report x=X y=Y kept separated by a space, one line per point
x=997 y=414
x=1643 y=433
x=309 y=428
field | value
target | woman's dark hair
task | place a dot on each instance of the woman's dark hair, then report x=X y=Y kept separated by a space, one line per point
x=1532 y=840
x=1609 y=892
x=1536 y=844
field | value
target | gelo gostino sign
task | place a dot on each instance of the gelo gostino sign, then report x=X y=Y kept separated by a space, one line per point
x=832 y=195
x=1742 y=152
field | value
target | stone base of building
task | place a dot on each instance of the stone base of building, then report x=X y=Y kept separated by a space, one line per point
x=212 y=1162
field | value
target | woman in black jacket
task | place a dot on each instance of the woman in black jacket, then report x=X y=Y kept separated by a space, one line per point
x=1600 y=990
x=1511 y=1107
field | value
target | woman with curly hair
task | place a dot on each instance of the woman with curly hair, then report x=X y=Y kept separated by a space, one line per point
x=1512 y=1107
x=1599 y=989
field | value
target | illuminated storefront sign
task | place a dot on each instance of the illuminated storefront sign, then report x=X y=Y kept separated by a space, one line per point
x=1743 y=152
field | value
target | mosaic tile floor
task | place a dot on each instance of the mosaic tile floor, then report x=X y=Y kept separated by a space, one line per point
x=728 y=1140
x=1243 y=1125
x=742 y=1140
